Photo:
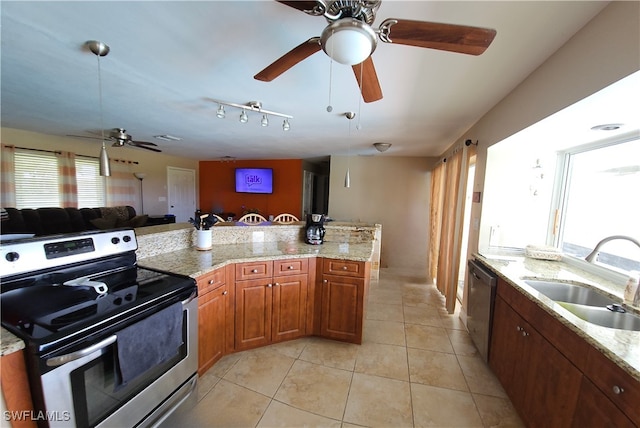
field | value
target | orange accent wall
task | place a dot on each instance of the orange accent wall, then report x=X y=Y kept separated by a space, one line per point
x=217 y=188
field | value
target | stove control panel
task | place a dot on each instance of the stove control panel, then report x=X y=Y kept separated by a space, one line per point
x=45 y=252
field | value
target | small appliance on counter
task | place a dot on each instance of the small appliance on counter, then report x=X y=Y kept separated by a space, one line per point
x=314 y=233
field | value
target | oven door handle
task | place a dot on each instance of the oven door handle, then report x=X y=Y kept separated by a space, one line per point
x=63 y=359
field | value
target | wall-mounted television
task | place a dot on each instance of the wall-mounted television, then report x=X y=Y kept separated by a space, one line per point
x=254 y=180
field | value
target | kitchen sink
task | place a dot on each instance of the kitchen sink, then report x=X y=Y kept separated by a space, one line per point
x=604 y=317
x=571 y=293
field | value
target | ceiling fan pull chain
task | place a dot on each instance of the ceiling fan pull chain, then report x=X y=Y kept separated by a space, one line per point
x=330 y=107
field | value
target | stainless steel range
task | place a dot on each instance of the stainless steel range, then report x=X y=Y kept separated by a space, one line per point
x=107 y=343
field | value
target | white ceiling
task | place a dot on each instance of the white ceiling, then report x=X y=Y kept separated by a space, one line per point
x=168 y=59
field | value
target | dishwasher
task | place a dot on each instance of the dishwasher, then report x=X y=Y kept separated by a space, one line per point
x=482 y=293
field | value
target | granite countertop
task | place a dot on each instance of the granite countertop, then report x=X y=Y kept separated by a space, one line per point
x=9 y=343
x=621 y=346
x=194 y=263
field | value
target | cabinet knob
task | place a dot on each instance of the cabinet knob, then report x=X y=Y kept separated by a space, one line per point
x=224 y=293
x=524 y=333
x=290 y=267
x=617 y=389
x=211 y=281
x=269 y=285
x=325 y=280
x=344 y=268
x=518 y=328
x=254 y=271
x=277 y=283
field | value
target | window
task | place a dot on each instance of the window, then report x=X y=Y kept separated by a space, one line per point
x=600 y=200
x=37 y=186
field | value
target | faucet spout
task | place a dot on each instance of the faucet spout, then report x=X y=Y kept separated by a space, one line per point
x=593 y=256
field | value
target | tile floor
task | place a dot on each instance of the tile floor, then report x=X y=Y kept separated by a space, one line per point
x=416 y=367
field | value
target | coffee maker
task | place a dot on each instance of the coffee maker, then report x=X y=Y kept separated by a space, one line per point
x=314 y=232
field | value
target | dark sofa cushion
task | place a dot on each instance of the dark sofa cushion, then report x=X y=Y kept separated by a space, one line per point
x=77 y=222
x=15 y=222
x=33 y=221
x=55 y=220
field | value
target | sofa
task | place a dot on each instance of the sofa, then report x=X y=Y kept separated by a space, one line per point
x=51 y=221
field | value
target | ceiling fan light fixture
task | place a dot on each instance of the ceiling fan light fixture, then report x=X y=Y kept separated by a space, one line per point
x=348 y=41
x=104 y=166
x=243 y=117
x=220 y=113
x=286 y=125
x=264 y=121
x=382 y=147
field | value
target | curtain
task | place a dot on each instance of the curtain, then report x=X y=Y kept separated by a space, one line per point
x=435 y=208
x=450 y=235
x=68 y=186
x=7 y=177
x=121 y=184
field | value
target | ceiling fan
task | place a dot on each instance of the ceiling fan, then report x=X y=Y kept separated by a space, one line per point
x=350 y=39
x=120 y=137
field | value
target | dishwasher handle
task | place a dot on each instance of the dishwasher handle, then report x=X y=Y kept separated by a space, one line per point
x=481 y=273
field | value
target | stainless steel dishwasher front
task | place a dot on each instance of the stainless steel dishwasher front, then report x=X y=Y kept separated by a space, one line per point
x=482 y=292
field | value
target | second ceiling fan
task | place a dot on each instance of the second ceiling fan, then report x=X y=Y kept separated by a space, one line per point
x=350 y=39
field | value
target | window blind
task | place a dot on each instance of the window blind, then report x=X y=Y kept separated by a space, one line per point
x=36 y=179
x=91 y=186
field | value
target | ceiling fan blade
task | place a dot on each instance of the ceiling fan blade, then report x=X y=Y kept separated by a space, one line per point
x=143 y=142
x=288 y=60
x=446 y=37
x=147 y=148
x=370 y=85
x=300 y=5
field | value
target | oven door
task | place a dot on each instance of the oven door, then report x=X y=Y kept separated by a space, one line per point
x=84 y=391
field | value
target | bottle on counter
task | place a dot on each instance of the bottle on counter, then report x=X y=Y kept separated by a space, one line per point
x=631 y=291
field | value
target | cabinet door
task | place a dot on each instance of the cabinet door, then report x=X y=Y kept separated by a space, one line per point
x=253 y=313
x=596 y=410
x=342 y=308
x=289 y=314
x=507 y=351
x=212 y=310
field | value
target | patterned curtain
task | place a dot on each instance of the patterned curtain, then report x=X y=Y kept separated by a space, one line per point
x=7 y=177
x=67 y=179
x=121 y=184
x=435 y=208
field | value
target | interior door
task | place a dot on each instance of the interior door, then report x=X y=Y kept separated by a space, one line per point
x=181 y=189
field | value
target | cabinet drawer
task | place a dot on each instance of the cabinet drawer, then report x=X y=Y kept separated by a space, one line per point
x=211 y=281
x=617 y=384
x=290 y=267
x=344 y=267
x=254 y=270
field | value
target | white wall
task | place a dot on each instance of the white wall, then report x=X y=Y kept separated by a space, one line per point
x=151 y=163
x=392 y=191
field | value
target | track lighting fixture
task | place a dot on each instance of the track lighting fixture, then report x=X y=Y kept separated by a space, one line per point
x=252 y=106
x=469 y=143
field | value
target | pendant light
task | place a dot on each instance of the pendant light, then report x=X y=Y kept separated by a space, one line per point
x=347 y=177
x=100 y=49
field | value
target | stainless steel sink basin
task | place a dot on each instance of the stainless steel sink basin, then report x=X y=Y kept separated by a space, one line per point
x=604 y=317
x=571 y=293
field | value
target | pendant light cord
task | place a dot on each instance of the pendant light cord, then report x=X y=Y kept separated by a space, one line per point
x=100 y=100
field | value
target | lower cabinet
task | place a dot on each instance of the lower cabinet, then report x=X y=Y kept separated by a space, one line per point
x=519 y=355
x=270 y=308
x=213 y=318
x=552 y=377
x=344 y=287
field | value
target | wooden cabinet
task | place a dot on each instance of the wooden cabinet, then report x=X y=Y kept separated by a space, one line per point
x=270 y=307
x=15 y=388
x=343 y=291
x=213 y=318
x=552 y=376
x=518 y=355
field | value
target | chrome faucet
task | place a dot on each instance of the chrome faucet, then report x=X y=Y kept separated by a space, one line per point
x=593 y=256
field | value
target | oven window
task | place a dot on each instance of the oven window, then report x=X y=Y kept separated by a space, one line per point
x=96 y=390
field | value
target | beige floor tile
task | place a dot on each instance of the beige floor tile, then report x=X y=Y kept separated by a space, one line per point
x=479 y=377
x=386 y=296
x=462 y=343
x=421 y=313
x=388 y=332
x=227 y=405
x=316 y=389
x=291 y=348
x=383 y=360
x=436 y=369
x=451 y=321
x=261 y=370
x=384 y=312
x=379 y=402
x=497 y=412
x=427 y=337
x=206 y=382
x=439 y=407
x=224 y=364
x=331 y=353
x=282 y=415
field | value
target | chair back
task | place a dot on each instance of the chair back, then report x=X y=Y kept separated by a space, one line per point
x=252 y=218
x=285 y=218
x=217 y=217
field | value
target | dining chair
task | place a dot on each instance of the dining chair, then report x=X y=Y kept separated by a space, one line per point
x=252 y=218
x=285 y=218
